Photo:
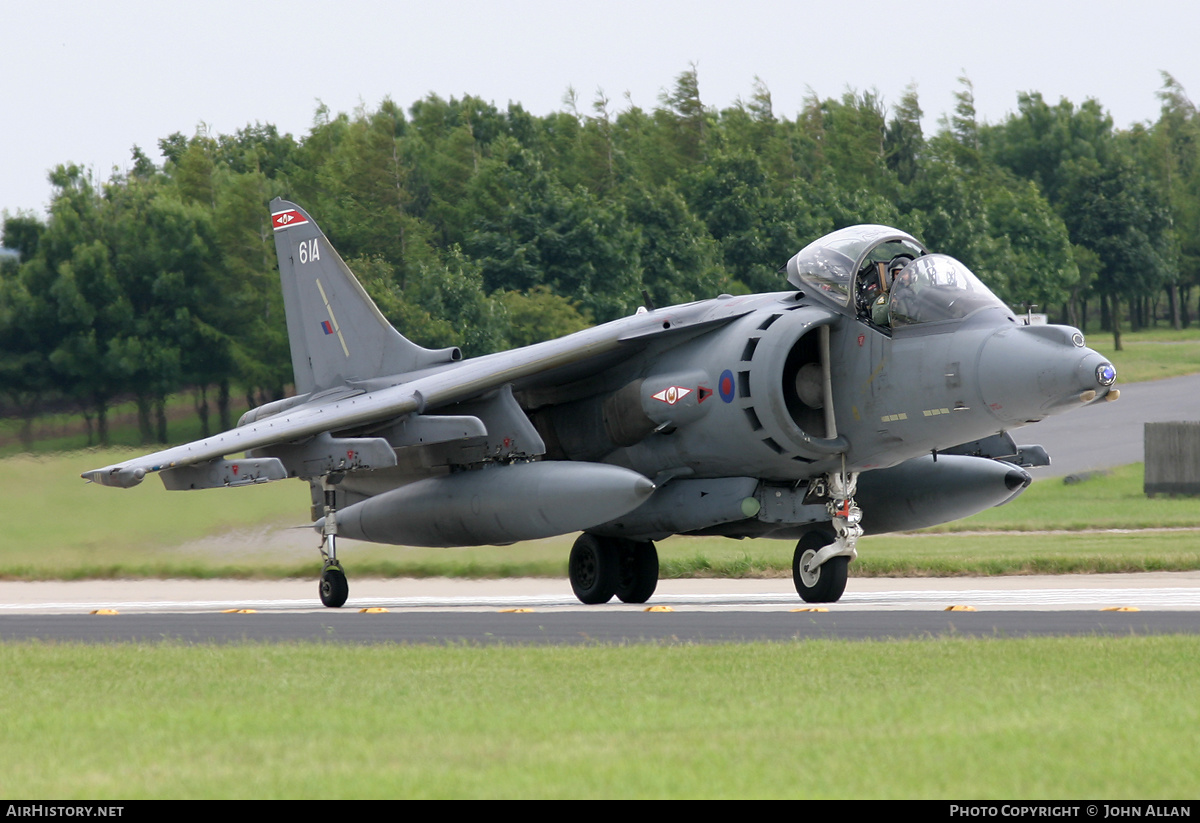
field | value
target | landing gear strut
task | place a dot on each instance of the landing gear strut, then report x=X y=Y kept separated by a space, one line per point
x=820 y=564
x=603 y=566
x=334 y=589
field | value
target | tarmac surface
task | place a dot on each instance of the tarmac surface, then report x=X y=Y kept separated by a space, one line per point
x=1154 y=591
x=545 y=611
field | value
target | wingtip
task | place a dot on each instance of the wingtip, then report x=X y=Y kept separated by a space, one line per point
x=124 y=478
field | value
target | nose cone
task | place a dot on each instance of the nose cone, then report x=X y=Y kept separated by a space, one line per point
x=1027 y=373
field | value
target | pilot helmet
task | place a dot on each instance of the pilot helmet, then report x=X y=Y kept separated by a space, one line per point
x=897 y=265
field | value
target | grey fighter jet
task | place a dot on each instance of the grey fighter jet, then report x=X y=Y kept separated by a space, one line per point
x=875 y=395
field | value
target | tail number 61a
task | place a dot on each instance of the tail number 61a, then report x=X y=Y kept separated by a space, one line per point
x=309 y=251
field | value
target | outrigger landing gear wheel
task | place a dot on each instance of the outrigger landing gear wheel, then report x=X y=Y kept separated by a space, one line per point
x=825 y=583
x=594 y=569
x=334 y=589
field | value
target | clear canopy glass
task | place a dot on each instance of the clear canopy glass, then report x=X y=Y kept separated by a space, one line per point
x=893 y=279
x=831 y=264
x=937 y=287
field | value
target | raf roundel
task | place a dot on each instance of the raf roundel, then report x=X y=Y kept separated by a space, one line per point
x=725 y=386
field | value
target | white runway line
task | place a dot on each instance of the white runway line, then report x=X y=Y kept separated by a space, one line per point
x=1183 y=599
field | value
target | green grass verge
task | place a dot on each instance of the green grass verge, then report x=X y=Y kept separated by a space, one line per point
x=945 y=555
x=935 y=718
x=1112 y=500
x=949 y=555
x=1151 y=355
x=68 y=529
x=57 y=520
x=66 y=431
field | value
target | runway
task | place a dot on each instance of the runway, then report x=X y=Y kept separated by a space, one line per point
x=1158 y=591
x=544 y=611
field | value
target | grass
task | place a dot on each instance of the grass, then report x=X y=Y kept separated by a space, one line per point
x=1151 y=355
x=949 y=555
x=944 y=555
x=69 y=529
x=1112 y=500
x=66 y=431
x=935 y=718
x=952 y=555
x=60 y=521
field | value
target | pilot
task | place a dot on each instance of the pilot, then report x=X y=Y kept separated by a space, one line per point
x=880 y=309
x=907 y=304
x=871 y=284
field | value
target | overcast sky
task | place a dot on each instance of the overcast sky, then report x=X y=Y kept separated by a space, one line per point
x=82 y=82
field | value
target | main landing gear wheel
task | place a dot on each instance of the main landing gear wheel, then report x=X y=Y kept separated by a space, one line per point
x=825 y=583
x=334 y=588
x=594 y=569
x=637 y=571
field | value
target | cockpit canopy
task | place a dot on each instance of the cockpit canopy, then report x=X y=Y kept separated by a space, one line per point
x=830 y=264
x=887 y=277
x=937 y=287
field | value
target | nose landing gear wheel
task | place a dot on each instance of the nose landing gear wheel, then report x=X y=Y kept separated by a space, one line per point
x=334 y=589
x=825 y=583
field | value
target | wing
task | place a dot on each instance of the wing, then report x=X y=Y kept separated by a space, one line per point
x=357 y=371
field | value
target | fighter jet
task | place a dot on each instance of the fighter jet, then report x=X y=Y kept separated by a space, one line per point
x=876 y=394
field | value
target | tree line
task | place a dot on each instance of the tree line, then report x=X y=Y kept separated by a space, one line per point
x=487 y=228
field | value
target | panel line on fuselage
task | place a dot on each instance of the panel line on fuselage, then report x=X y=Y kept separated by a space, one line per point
x=329 y=308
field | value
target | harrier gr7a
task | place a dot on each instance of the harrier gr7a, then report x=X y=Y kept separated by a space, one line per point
x=875 y=395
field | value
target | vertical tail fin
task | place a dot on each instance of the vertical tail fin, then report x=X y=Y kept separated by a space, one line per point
x=337 y=333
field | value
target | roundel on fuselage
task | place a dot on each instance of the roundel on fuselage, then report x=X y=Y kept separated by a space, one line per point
x=725 y=386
